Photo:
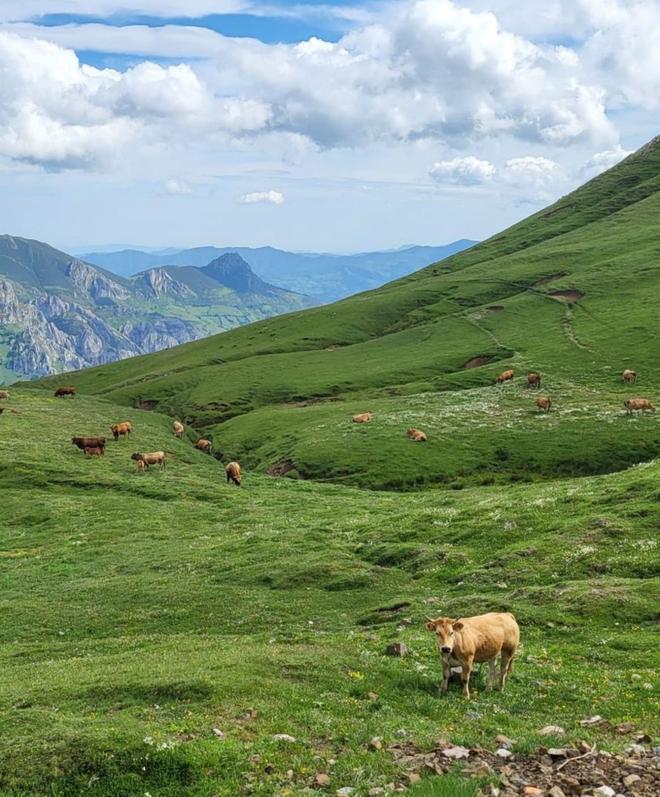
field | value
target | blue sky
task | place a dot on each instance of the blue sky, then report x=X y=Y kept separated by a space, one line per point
x=315 y=125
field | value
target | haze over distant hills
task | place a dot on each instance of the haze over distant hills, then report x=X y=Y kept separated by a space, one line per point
x=324 y=277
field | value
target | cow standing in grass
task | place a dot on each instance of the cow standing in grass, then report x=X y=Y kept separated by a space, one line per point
x=178 y=429
x=543 y=403
x=638 y=405
x=61 y=392
x=88 y=442
x=233 y=471
x=204 y=445
x=534 y=380
x=122 y=429
x=629 y=376
x=505 y=376
x=152 y=458
x=469 y=640
x=4 y=394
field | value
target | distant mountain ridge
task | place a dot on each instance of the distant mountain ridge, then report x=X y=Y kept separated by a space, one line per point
x=58 y=312
x=325 y=277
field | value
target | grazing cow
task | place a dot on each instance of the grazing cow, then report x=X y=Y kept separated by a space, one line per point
x=463 y=642
x=363 y=417
x=152 y=458
x=122 y=429
x=505 y=376
x=233 y=471
x=204 y=445
x=629 y=376
x=88 y=442
x=417 y=435
x=4 y=394
x=94 y=451
x=534 y=380
x=178 y=429
x=543 y=403
x=65 y=391
x=638 y=404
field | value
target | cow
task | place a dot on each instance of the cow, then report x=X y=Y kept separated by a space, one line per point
x=534 y=380
x=204 y=445
x=94 y=451
x=635 y=404
x=122 y=429
x=417 y=435
x=233 y=471
x=4 y=394
x=629 y=376
x=469 y=640
x=505 y=376
x=363 y=417
x=178 y=429
x=88 y=442
x=65 y=391
x=543 y=403
x=152 y=458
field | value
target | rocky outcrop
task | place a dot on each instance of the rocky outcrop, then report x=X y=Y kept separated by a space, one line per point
x=157 y=282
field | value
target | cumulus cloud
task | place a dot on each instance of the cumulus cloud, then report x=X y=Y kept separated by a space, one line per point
x=462 y=171
x=272 y=197
x=602 y=161
x=175 y=187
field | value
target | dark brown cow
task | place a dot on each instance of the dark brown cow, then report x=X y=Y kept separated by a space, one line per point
x=88 y=442
x=65 y=391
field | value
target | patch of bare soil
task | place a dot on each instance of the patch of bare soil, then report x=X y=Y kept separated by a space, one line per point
x=548 y=278
x=566 y=296
x=551 y=772
x=281 y=468
x=478 y=361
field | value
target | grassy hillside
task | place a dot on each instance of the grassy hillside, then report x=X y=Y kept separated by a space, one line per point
x=570 y=292
x=142 y=611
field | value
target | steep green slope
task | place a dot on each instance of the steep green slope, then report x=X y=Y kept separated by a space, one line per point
x=142 y=611
x=571 y=291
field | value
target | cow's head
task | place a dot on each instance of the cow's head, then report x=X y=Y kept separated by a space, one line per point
x=444 y=629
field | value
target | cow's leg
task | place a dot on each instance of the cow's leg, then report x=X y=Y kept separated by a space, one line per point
x=446 y=672
x=506 y=663
x=465 y=676
x=491 y=674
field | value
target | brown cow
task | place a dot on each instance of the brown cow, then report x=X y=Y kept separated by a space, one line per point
x=4 y=394
x=363 y=417
x=204 y=445
x=122 y=429
x=475 y=639
x=534 y=380
x=233 y=471
x=65 y=391
x=94 y=451
x=629 y=376
x=544 y=403
x=638 y=404
x=152 y=458
x=178 y=429
x=417 y=435
x=88 y=442
x=505 y=376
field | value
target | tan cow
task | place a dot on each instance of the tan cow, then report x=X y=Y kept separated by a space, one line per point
x=544 y=403
x=94 y=451
x=629 y=376
x=233 y=471
x=4 y=394
x=533 y=379
x=363 y=417
x=122 y=429
x=638 y=404
x=204 y=445
x=417 y=435
x=178 y=429
x=505 y=376
x=152 y=458
x=464 y=642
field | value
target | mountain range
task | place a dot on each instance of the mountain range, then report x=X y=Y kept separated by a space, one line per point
x=59 y=313
x=324 y=277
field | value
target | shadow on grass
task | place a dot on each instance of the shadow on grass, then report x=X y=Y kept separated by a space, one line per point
x=179 y=692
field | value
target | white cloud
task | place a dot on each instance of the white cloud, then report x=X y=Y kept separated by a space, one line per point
x=175 y=186
x=273 y=197
x=534 y=178
x=25 y=9
x=462 y=171
x=602 y=161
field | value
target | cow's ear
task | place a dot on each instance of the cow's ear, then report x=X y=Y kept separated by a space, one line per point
x=430 y=625
x=457 y=626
